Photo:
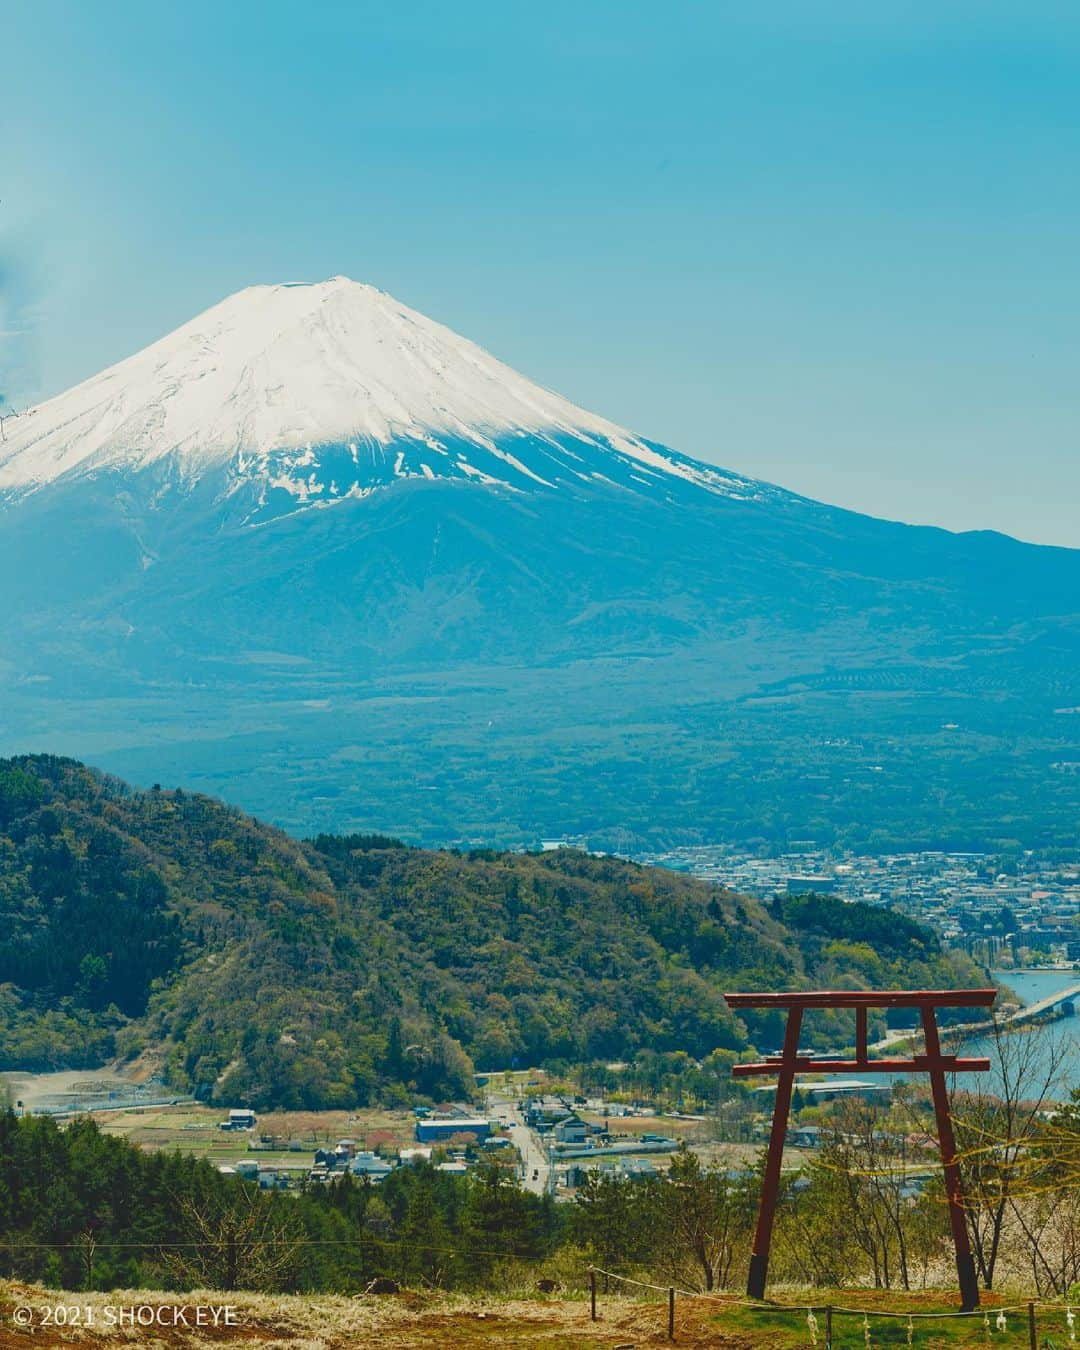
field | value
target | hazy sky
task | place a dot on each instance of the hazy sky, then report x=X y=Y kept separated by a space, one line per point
x=836 y=246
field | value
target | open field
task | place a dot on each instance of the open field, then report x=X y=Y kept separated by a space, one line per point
x=430 y=1319
x=698 y=1136
x=194 y=1129
x=693 y=1131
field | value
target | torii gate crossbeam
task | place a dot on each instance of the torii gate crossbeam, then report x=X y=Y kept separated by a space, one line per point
x=789 y=1063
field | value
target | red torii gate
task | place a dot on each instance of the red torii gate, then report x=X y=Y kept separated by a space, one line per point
x=787 y=1064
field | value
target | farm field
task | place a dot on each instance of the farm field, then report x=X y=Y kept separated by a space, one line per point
x=693 y=1131
x=698 y=1137
x=194 y=1129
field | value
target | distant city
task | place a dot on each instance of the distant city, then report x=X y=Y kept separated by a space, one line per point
x=1031 y=911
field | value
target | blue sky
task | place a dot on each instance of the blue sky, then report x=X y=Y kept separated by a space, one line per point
x=830 y=245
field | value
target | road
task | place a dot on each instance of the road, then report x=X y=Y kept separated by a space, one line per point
x=533 y=1154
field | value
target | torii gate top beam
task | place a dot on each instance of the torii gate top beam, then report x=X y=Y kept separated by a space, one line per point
x=860 y=998
x=922 y=999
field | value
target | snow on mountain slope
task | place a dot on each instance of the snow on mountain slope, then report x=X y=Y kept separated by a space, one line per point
x=263 y=385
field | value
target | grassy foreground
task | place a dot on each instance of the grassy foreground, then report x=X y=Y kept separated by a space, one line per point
x=429 y=1319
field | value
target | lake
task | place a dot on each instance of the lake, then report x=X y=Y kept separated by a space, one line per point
x=1061 y=1036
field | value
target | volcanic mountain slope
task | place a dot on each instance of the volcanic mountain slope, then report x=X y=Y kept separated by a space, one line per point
x=304 y=395
x=250 y=966
x=312 y=523
x=462 y=502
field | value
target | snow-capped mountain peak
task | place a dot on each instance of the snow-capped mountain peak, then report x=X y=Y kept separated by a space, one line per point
x=319 y=391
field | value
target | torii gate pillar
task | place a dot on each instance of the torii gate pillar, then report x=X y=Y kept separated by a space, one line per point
x=789 y=1063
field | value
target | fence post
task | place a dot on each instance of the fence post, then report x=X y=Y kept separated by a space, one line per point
x=671 y=1314
x=592 y=1292
x=1032 y=1337
x=828 y=1327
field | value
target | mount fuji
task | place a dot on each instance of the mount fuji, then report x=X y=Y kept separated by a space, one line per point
x=318 y=553
x=292 y=396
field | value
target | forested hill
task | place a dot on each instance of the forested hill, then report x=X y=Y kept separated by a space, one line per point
x=255 y=967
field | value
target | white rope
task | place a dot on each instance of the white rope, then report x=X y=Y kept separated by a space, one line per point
x=733 y=1301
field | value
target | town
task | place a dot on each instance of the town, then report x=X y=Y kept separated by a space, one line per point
x=550 y=1140
x=1022 y=911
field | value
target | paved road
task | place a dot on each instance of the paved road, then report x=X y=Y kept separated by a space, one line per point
x=533 y=1154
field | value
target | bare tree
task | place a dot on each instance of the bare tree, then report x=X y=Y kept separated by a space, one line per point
x=7 y=416
x=87 y=1244
x=241 y=1242
x=1050 y=1224
x=995 y=1127
x=814 y=1241
x=869 y=1167
x=701 y=1217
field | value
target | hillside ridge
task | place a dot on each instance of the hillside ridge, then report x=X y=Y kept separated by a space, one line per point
x=256 y=967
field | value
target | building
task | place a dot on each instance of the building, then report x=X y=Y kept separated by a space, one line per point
x=805 y=1136
x=370 y=1165
x=830 y=1089
x=542 y=1113
x=1042 y=938
x=806 y=885
x=626 y=1169
x=439 y=1128
x=239 y=1120
x=572 y=1130
x=845 y=1087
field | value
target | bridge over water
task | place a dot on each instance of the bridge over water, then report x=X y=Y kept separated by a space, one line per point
x=1031 y=1011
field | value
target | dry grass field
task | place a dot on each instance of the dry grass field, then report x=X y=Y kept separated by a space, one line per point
x=693 y=1131
x=328 y=1323
x=430 y=1320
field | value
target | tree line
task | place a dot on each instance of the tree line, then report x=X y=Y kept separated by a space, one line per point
x=80 y=1209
